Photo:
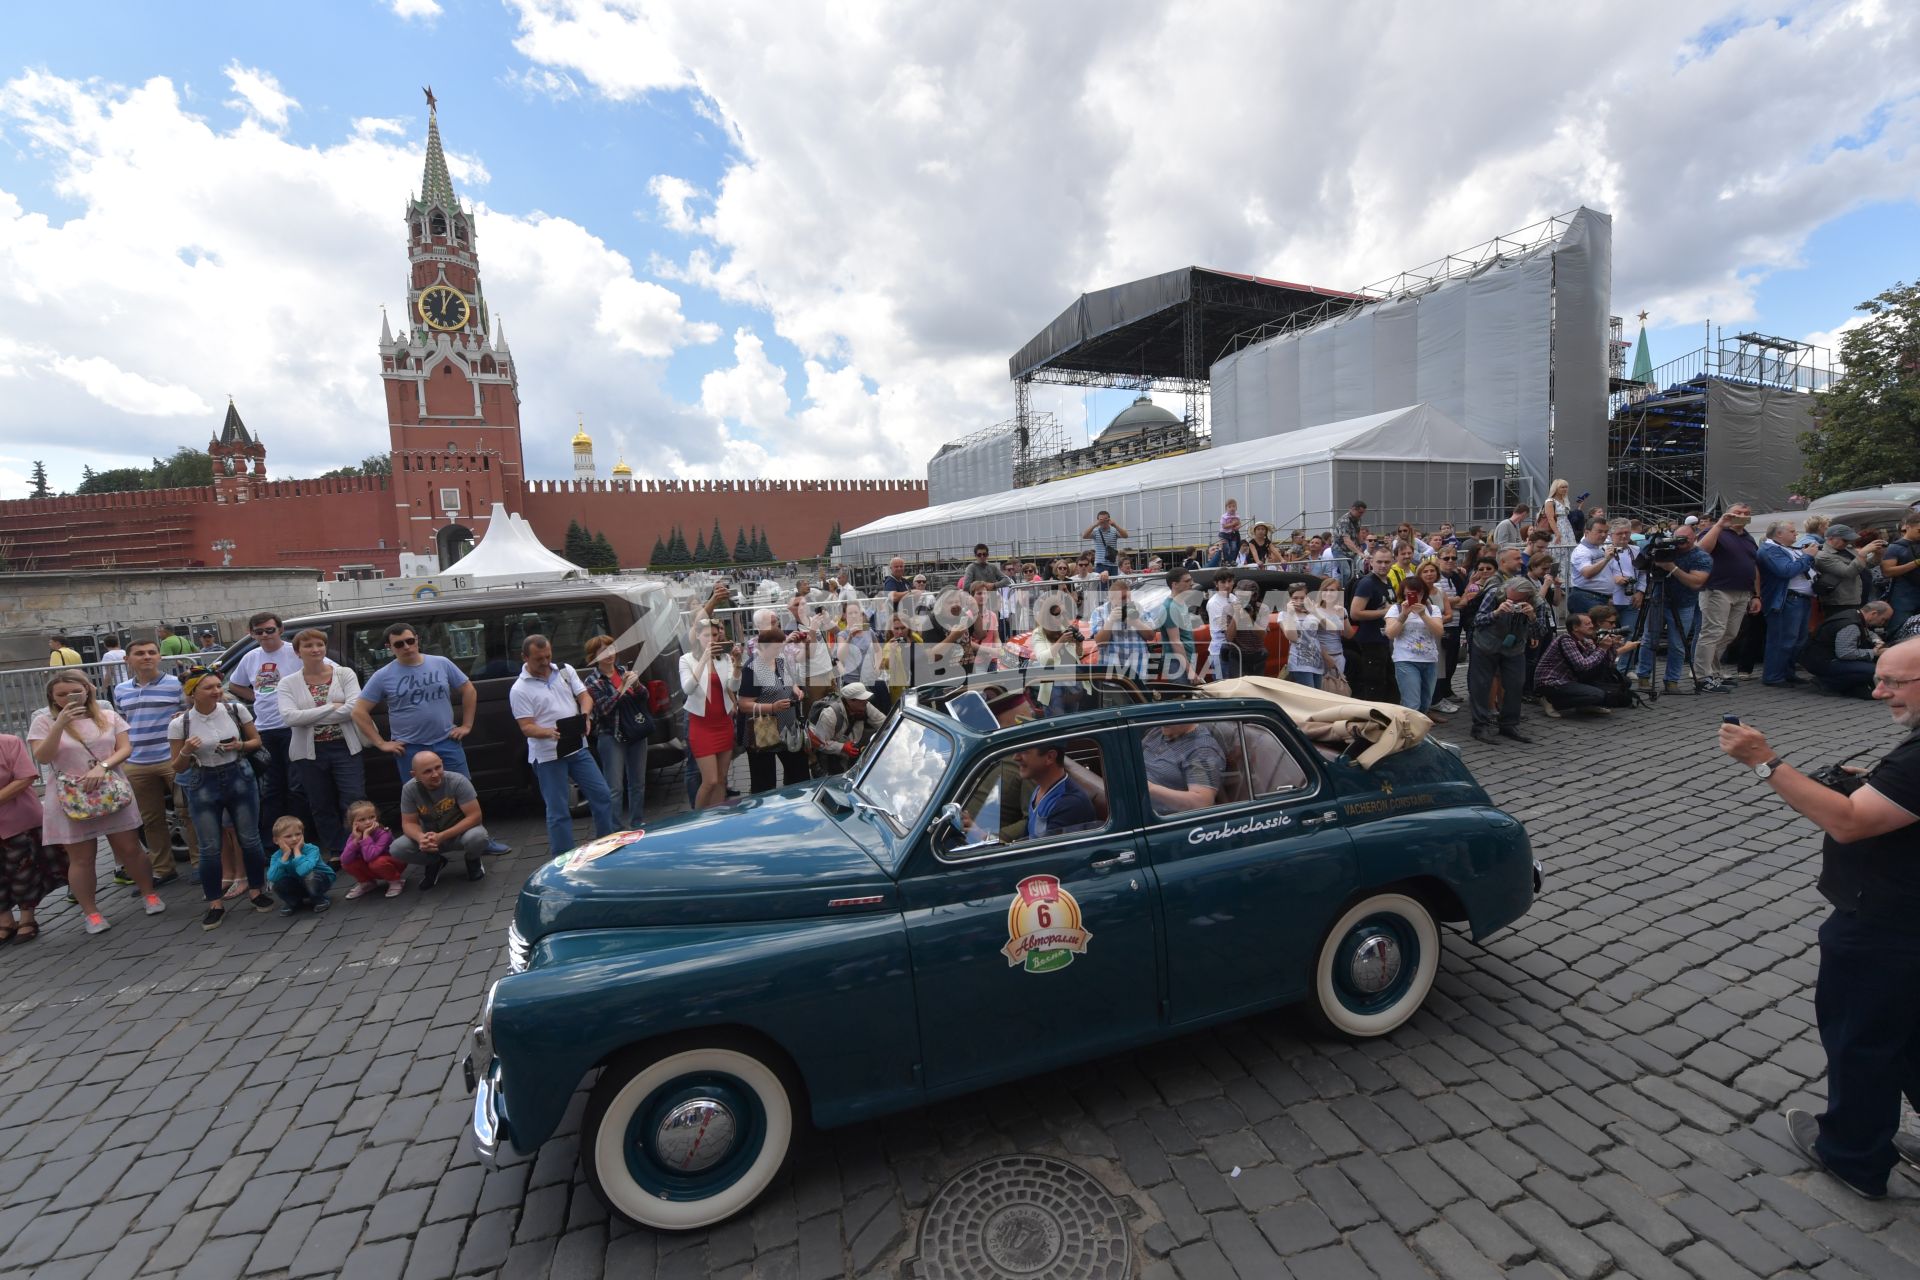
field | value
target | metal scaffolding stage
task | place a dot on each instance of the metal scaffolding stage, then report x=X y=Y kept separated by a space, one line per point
x=1718 y=425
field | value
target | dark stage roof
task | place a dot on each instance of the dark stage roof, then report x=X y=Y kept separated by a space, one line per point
x=1140 y=328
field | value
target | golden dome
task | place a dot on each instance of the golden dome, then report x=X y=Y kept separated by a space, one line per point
x=621 y=471
x=581 y=440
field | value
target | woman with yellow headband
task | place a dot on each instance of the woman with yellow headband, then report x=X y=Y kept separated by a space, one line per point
x=211 y=741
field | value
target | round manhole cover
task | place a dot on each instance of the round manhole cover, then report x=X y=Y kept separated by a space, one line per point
x=1014 y=1217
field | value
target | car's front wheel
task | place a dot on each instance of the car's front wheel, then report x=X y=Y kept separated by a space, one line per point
x=1376 y=965
x=685 y=1135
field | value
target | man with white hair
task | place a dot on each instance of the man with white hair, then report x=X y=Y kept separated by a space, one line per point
x=1867 y=994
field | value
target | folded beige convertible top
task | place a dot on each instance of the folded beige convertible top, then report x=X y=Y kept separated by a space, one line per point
x=1333 y=719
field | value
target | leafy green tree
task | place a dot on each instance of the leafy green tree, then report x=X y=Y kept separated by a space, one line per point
x=374 y=464
x=41 y=488
x=118 y=480
x=186 y=469
x=1867 y=424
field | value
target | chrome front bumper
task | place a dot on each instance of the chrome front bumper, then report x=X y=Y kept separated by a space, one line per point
x=1539 y=877
x=489 y=1126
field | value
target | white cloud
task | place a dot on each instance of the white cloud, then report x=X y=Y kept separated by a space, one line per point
x=415 y=10
x=916 y=192
x=753 y=392
x=261 y=96
x=125 y=324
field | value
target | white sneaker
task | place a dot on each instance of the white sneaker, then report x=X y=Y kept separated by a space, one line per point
x=1552 y=712
x=360 y=890
x=97 y=923
x=155 y=904
x=394 y=887
x=1446 y=706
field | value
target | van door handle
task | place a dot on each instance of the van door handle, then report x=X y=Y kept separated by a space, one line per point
x=1329 y=816
x=1117 y=860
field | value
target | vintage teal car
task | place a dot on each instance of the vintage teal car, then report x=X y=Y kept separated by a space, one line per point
x=976 y=902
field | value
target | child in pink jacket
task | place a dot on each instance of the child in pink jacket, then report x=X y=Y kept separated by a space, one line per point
x=365 y=857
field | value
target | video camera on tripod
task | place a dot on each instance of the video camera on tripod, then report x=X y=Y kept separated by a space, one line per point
x=1659 y=550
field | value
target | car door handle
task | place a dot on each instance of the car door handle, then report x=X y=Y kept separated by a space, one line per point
x=1117 y=860
x=1329 y=816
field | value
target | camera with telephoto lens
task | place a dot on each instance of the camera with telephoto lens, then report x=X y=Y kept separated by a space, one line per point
x=1660 y=549
x=1608 y=633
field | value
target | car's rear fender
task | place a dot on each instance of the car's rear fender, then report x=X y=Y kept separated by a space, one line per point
x=1473 y=863
x=836 y=997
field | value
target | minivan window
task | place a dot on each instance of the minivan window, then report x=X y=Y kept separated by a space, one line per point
x=483 y=643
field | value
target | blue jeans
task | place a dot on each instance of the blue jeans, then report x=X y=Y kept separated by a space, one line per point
x=1629 y=614
x=1786 y=635
x=451 y=754
x=1311 y=679
x=333 y=779
x=624 y=764
x=1685 y=618
x=300 y=891
x=553 y=775
x=1416 y=681
x=276 y=785
x=1580 y=600
x=227 y=796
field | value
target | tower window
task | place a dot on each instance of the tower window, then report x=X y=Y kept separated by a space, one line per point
x=439 y=223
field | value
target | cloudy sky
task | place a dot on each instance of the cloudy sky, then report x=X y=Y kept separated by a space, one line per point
x=800 y=240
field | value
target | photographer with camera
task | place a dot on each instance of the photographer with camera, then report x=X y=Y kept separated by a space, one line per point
x=1841 y=573
x=1502 y=631
x=1841 y=653
x=1867 y=995
x=1786 y=596
x=1577 y=670
x=1675 y=570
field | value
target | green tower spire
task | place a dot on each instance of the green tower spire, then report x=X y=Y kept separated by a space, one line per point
x=436 y=184
x=1642 y=357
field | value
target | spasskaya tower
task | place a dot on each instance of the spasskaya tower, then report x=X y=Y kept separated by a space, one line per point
x=453 y=400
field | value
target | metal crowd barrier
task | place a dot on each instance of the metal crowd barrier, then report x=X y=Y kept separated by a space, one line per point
x=23 y=690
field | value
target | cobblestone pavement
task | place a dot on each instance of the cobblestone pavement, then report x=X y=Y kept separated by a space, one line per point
x=1595 y=1092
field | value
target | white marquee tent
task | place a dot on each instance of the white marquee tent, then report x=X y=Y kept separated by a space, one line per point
x=511 y=549
x=1413 y=463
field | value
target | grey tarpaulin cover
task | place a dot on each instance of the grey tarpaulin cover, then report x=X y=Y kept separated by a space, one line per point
x=1753 y=443
x=1510 y=352
x=981 y=463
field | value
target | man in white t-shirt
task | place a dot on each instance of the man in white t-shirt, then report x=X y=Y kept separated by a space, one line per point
x=256 y=681
x=1220 y=607
x=545 y=695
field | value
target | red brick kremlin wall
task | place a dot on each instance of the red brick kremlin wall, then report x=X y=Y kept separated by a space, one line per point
x=798 y=515
x=325 y=524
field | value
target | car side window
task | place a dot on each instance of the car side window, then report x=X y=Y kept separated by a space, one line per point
x=567 y=626
x=1216 y=762
x=1052 y=788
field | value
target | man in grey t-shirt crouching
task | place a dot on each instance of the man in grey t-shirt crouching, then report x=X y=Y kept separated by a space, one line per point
x=439 y=811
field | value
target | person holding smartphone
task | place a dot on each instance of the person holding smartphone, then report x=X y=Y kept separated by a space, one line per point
x=211 y=739
x=710 y=678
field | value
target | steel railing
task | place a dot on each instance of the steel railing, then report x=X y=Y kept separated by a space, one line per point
x=23 y=690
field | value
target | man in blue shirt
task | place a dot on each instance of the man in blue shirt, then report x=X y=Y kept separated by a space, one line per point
x=1680 y=581
x=148 y=700
x=418 y=690
x=1058 y=805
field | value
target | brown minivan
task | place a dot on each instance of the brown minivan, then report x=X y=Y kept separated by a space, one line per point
x=481 y=632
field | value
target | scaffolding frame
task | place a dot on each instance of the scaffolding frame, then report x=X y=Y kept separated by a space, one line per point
x=1658 y=434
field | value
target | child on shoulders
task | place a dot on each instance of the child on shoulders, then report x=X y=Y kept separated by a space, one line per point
x=1230 y=532
x=366 y=858
x=299 y=874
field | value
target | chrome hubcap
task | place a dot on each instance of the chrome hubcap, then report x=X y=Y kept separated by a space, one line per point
x=695 y=1135
x=1375 y=964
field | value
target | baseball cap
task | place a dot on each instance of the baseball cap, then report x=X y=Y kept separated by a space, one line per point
x=1841 y=531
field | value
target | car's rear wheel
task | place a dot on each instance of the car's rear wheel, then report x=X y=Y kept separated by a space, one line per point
x=1376 y=965
x=688 y=1134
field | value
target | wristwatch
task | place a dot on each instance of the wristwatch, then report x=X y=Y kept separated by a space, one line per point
x=1765 y=768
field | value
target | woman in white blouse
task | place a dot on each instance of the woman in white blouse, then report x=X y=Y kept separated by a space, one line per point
x=317 y=704
x=710 y=678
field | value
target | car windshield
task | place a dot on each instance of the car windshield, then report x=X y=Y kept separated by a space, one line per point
x=903 y=770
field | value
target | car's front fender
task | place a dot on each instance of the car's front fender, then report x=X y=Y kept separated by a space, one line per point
x=836 y=996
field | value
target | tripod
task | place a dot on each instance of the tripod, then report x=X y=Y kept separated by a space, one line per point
x=1656 y=597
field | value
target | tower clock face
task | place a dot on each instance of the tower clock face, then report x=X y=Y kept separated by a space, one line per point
x=443 y=307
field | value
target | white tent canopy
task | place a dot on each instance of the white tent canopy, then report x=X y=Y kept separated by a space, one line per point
x=1413 y=463
x=510 y=549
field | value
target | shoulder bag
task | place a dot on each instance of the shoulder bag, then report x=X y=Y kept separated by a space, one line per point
x=81 y=804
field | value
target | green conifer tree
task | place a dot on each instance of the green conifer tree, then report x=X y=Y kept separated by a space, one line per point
x=742 y=553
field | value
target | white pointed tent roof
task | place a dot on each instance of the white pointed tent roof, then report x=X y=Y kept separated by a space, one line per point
x=510 y=549
x=1417 y=433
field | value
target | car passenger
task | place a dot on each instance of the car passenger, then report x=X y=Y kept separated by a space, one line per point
x=1184 y=767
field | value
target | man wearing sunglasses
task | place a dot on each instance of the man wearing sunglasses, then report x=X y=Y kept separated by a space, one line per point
x=256 y=682
x=1867 y=993
x=418 y=690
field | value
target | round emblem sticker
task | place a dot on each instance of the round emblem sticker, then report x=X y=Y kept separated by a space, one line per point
x=1044 y=930
x=581 y=855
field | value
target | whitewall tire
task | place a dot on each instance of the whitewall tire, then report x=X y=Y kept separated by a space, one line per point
x=1375 y=966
